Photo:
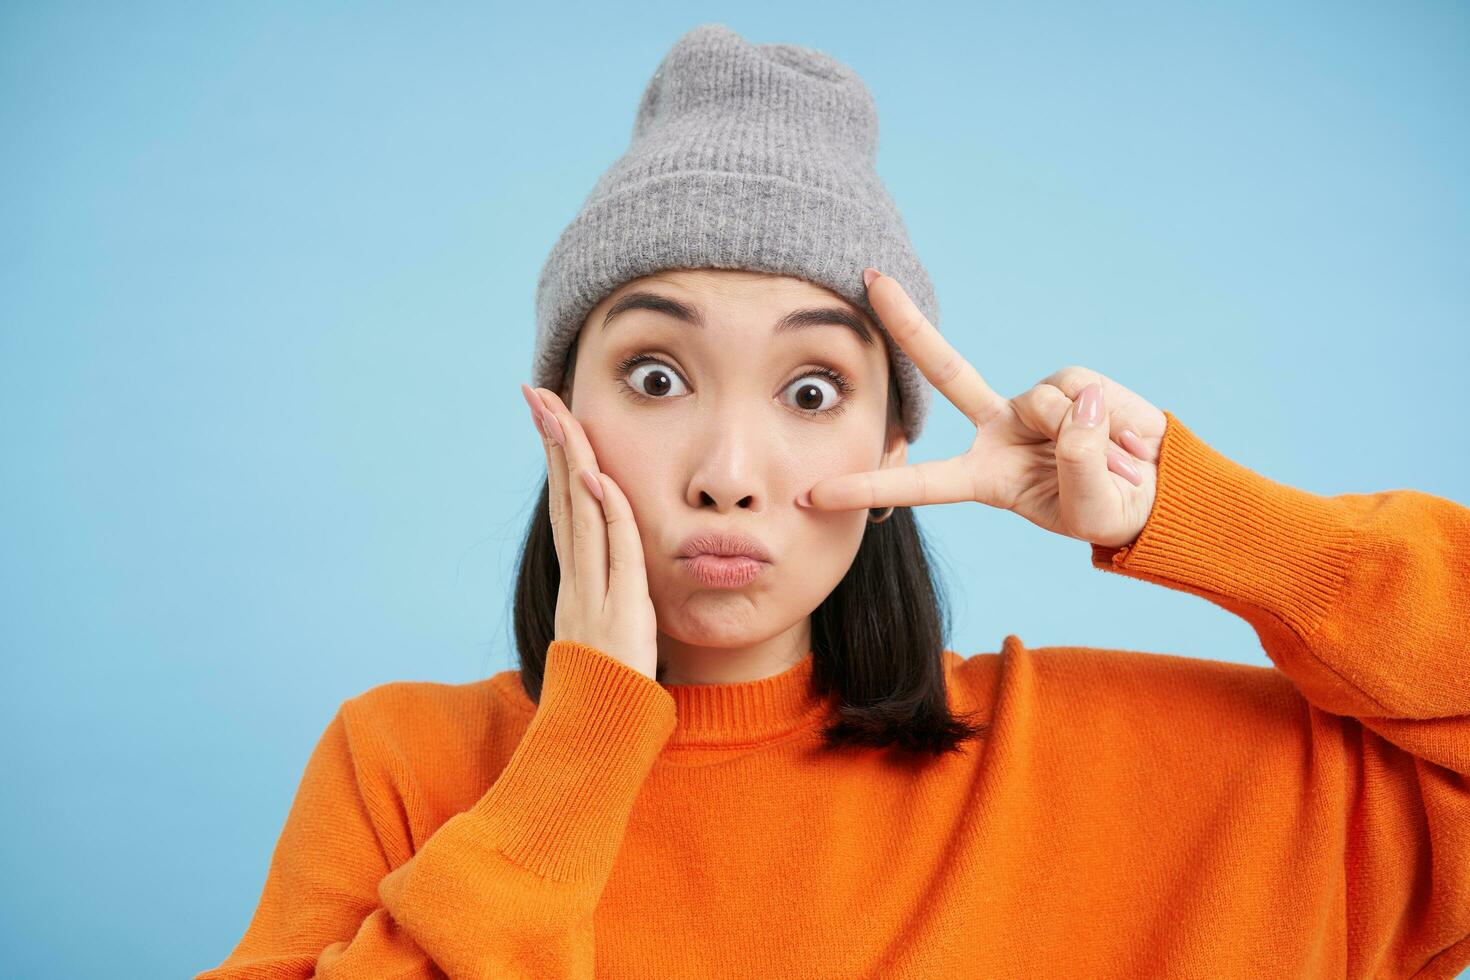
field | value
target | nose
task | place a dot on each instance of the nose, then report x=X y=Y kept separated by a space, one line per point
x=729 y=472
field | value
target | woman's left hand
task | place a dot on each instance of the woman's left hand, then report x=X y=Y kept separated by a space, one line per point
x=1033 y=454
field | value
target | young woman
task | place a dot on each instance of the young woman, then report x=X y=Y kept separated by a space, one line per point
x=737 y=744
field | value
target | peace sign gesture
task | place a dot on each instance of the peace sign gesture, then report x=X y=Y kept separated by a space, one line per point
x=1076 y=454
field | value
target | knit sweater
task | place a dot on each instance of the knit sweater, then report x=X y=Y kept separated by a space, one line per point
x=1128 y=814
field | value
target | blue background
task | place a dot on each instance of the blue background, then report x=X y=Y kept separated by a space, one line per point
x=267 y=291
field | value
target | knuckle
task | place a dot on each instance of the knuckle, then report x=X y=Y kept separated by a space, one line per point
x=617 y=562
x=1071 y=379
x=1040 y=407
x=910 y=324
x=949 y=369
x=1081 y=528
x=1071 y=454
x=871 y=490
x=921 y=481
x=1045 y=396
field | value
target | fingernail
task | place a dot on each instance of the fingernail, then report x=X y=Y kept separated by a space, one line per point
x=804 y=499
x=554 y=427
x=592 y=483
x=869 y=275
x=1088 y=409
x=1132 y=443
x=1131 y=472
x=534 y=406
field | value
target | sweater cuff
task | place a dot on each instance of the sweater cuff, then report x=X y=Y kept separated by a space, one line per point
x=561 y=805
x=1233 y=536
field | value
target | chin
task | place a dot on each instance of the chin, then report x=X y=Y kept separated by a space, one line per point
x=716 y=621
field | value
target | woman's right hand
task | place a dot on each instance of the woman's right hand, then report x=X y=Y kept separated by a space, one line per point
x=603 y=598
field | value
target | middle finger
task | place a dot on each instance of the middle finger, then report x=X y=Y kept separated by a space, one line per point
x=936 y=358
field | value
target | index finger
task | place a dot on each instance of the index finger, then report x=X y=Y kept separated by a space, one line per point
x=934 y=356
x=934 y=481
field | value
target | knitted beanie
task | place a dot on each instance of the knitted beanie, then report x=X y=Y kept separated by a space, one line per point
x=743 y=156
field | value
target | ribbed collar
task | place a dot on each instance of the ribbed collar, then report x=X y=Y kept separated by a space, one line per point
x=745 y=712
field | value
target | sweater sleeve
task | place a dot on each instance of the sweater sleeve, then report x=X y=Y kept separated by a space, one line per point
x=506 y=888
x=1363 y=601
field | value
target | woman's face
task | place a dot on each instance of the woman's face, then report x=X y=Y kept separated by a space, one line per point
x=720 y=426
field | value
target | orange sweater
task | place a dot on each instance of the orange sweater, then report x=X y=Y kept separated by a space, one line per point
x=1130 y=814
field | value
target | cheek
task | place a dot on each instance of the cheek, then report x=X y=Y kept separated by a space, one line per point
x=815 y=460
x=829 y=540
x=627 y=452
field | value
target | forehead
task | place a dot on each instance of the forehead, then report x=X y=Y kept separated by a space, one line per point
x=702 y=298
x=719 y=289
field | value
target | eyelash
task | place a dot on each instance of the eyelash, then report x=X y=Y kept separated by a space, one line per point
x=838 y=380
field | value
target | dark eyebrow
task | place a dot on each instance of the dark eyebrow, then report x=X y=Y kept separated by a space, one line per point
x=795 y=320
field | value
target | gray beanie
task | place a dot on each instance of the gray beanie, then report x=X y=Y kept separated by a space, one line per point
x=743 y=156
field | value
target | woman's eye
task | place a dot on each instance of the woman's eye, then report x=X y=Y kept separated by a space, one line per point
x=813 y=394
x=655 y=380
x=820 y=392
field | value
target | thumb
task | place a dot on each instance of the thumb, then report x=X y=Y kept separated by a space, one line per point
x=1087 y=498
